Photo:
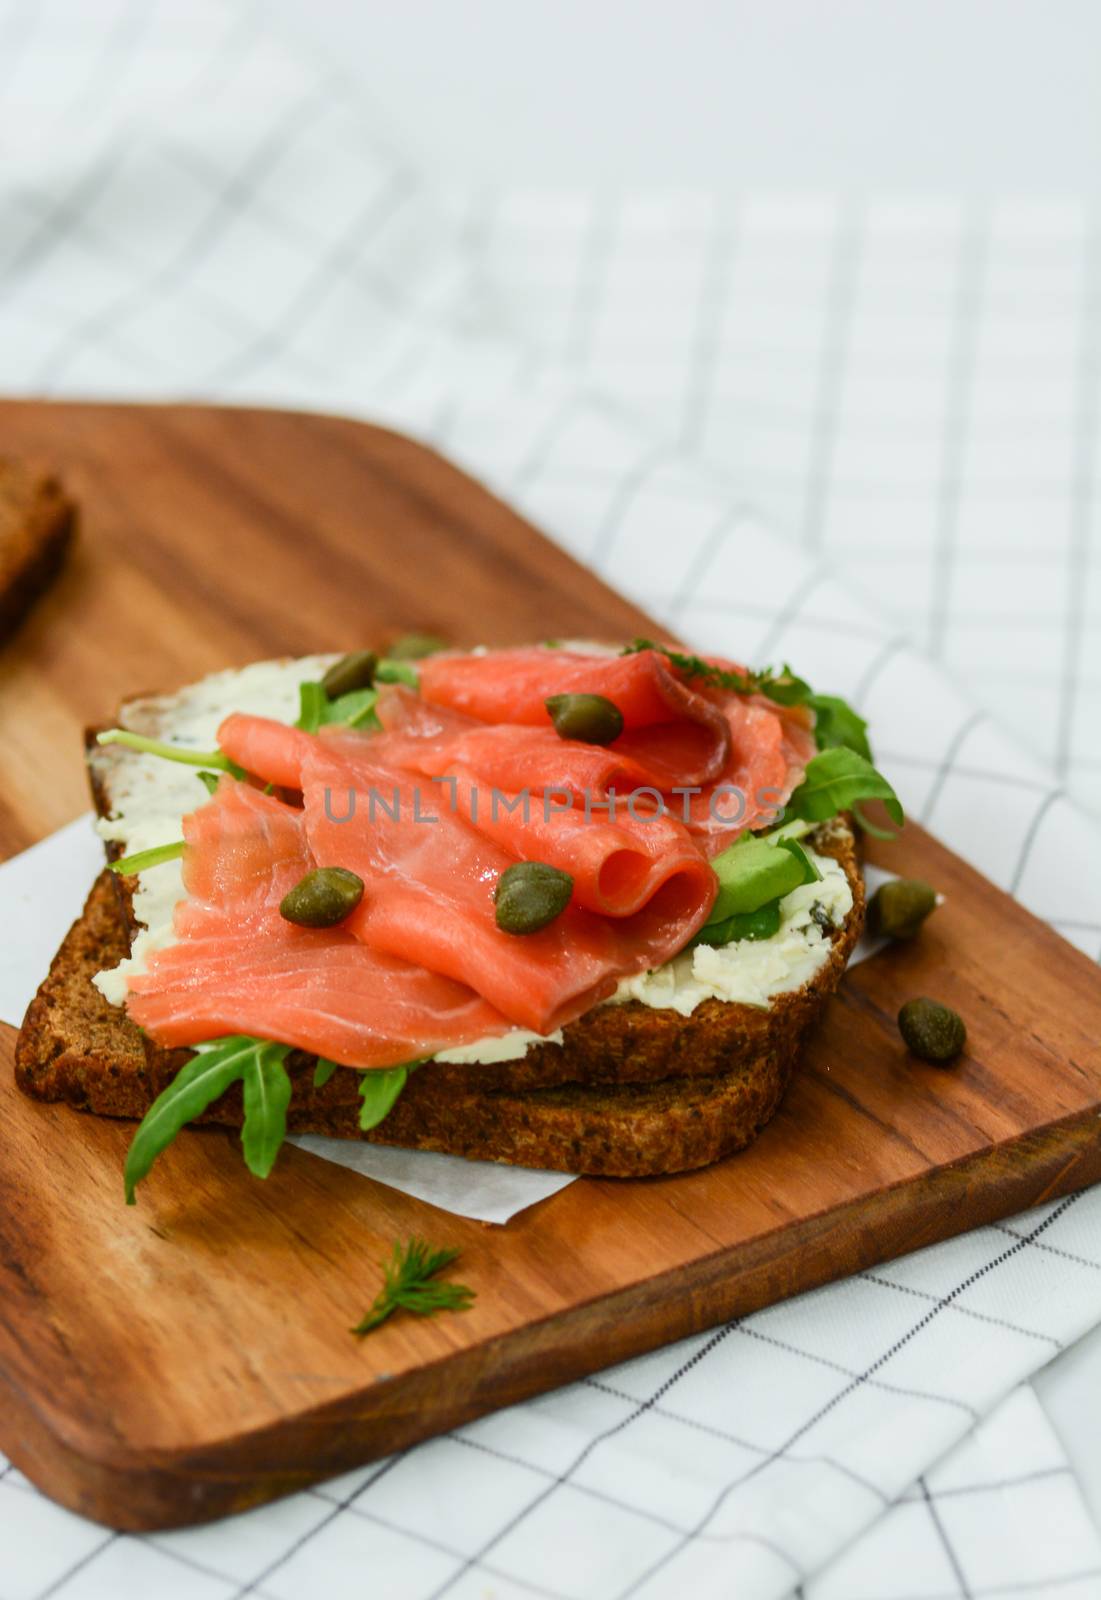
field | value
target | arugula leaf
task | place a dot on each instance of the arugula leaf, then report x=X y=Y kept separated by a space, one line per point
x=836 y=780
x=865 y=826
x=356 y=709
x=836 y=723
x=379 y=1089
x=784 y=687
x=759 y=924
x=216 y=1065
x=352 y=710
x=391 y=671
x=267 y=1094
x=170 y=752
x=141 y=859
x=409 y=1285
x=197 y=1085
x=311 y=705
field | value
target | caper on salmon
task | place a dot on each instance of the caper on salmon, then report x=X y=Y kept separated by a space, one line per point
x=322 y=898
x=898 y=909
x=355 y=671
x=529 y=895
x=931 y=1031
x=589 y=718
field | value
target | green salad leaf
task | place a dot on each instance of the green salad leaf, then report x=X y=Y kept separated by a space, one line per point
x=836 y=780
x=411 y=1284
x=170 y=752
x=378 y=1092
x=312 y=701
x=784 y=687
x=141 y=859
x=867 y=826
x=836 y=723
x=356 y=709
x=267 y=1094
x=759 y=924
x=260 y=1067
x=212 y=1069
x=390 y=670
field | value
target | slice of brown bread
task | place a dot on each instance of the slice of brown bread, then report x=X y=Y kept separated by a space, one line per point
x=631 y=1091
x=37 y=523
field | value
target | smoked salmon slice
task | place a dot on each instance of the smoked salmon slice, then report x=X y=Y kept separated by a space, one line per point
x=768 y=749
x=676 y=733
x=620 y=856
x=239 y=967
x=431 y=876
x=459 y=782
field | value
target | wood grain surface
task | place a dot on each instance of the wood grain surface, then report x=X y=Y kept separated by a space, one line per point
x=189 y=1357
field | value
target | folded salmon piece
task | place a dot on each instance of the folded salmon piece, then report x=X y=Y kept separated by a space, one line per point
x=642 y=862
x=507 y=756
x=678 y=735
x=239 y=967
x=770 y=746
x=431 y=878
x=768 y=749
x=549 y=799
x=431 y=874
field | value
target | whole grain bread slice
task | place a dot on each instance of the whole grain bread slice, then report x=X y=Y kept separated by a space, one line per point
x=630 y=1091
x=37 y=523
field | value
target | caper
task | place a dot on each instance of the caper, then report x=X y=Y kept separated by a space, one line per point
x=931 y=1031
x=898 y=909
x=356 y=671
x=322 y=898
x=412 y=646
x=530 y=894
x=591 y=718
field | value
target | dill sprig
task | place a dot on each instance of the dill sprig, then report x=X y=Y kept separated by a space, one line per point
x=782 y=686
x=409 y=1285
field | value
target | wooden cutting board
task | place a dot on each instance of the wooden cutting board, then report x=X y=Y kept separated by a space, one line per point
x=190 y=1357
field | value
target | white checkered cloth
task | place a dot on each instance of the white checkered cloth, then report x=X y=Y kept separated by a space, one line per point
x=189 y=209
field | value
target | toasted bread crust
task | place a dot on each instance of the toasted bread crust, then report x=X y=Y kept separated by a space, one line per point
x=631 y=1090
x=37 y=523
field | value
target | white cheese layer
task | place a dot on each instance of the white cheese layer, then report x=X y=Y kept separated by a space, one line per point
x=150 y=797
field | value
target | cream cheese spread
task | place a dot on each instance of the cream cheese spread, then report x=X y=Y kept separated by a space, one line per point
x=150 y=796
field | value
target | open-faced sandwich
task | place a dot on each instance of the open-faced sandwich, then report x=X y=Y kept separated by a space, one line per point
x=564 y=906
